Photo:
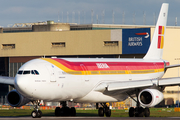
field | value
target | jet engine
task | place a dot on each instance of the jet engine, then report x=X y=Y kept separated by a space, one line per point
x=150 y=97
x=15 y=99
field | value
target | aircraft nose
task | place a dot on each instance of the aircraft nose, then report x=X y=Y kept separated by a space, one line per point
x=21 y=84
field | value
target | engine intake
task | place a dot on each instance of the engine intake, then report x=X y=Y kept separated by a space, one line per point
x=150 y=97
x=15 y=99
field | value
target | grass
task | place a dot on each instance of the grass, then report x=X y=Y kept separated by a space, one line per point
x=155 y=112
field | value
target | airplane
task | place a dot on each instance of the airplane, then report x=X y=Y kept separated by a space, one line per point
x=95 y=80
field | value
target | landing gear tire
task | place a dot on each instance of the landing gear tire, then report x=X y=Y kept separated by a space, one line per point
x=73 y=111
x=57 y=111
x=36 y=114
x=146 y=112
x=139 y=112
x=104 y=110
x=101 y=112
x=65 y=111
x=131 y=112
x=107 y=112
x=39 y=114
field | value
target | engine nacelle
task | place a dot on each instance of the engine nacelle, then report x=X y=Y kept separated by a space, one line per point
x=15 y=99
x=150 y=97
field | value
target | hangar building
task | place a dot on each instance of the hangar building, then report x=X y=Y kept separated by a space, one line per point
x=49 y=39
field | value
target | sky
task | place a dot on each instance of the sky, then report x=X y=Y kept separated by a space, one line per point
x=130 y=12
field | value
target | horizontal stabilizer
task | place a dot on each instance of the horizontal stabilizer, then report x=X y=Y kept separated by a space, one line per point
x=172 y=66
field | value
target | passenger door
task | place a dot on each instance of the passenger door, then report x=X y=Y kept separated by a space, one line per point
x=51 y=69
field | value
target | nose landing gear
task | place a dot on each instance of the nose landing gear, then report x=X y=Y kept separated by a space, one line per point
x=36 y=113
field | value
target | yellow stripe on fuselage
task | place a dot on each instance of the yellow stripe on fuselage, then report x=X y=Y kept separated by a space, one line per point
x=59 y=65
x=100 y=72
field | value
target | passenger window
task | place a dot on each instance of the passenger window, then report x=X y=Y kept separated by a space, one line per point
x=26 y=72
x=37 y=73
x=20 y=72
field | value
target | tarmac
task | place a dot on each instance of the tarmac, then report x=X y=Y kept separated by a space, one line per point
x=91 y=118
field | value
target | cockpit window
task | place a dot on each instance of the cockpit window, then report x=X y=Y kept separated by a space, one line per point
x=37 y=73
x=32 y=72
x=20 y=72
x=26 y=72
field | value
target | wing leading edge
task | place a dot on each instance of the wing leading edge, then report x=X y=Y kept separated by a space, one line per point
x=7 y=80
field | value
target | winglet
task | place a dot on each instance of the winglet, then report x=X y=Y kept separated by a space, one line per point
x=156 y=48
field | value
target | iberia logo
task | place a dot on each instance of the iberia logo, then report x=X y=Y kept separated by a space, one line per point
x=160 y=37
x=145 y=33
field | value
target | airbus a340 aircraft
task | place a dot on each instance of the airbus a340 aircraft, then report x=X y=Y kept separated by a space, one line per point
x=95 y=80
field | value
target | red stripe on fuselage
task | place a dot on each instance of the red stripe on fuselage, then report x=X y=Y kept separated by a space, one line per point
x=92 y=66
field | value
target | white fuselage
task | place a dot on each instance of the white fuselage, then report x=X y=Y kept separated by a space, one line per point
x=55 y=83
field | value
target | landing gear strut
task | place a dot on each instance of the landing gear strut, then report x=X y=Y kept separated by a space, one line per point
x=65 y=111
x=104 y=110
x=36 y=113
x=138 y=111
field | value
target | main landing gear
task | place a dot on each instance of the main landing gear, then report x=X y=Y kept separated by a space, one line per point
x=138 y=111
x=65 y=111
x=103 y=110
x=36 y=113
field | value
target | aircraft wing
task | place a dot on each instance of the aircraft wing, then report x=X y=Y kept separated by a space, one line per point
x=114 y=88
x=7 y=80
x=169 y=81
